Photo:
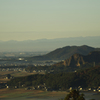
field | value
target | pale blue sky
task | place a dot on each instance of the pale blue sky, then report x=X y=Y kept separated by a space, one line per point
x=36 y=19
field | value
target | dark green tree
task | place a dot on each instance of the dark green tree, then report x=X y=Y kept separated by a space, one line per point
x=74 y=95
x=8 y=75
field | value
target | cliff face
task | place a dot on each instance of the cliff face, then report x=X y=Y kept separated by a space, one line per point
x=75 y=60
x=78 y=60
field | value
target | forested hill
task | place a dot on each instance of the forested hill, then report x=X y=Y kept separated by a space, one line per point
x=66 y=52
x=89 y=77
x=78 y=60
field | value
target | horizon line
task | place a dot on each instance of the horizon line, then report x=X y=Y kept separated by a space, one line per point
x=47 y=38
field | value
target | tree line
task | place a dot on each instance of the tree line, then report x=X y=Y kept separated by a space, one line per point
x=89 y=77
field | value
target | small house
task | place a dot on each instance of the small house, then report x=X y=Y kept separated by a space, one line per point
x=7 y=87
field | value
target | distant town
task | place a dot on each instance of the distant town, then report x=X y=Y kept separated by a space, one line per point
x=18 y=61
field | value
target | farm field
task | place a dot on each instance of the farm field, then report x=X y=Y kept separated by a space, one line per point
x=13 y=73
x=29 y=94
x=22 y=94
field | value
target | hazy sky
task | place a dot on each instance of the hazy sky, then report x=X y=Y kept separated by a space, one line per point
x=36 y=19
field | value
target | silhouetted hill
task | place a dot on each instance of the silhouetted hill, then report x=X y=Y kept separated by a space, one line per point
x=66 y=52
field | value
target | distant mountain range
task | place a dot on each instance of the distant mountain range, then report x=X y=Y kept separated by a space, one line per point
x=47 y=44
x=66 y=52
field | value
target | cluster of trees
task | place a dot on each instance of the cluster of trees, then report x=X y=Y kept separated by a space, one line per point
x=2 y=85
x=89 y=77
x=31 y=68
x=21 y=66
x=75 y=95
x=57 y=68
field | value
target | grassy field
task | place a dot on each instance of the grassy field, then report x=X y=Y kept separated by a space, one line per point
x=22 y=93
x=13 y=73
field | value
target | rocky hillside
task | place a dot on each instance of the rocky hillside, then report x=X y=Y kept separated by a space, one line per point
x=81 y=60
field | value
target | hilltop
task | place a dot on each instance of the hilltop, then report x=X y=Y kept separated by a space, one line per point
x=65 y=52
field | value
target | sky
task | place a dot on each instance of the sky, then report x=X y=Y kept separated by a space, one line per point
x=37 y=19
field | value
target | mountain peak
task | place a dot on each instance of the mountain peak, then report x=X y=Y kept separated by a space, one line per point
x=66 y=52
